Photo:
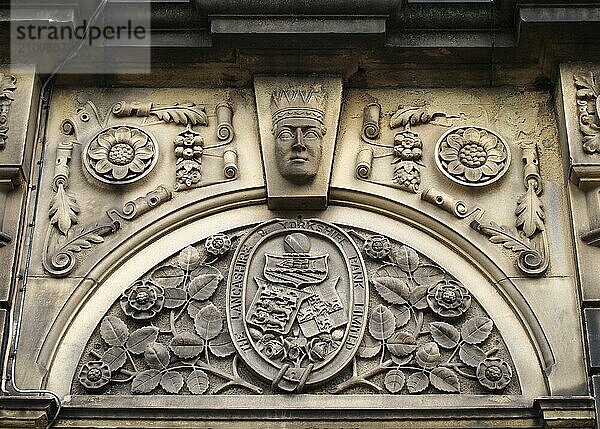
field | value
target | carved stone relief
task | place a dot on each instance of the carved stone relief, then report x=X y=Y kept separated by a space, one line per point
x=588 y=105
x=296 y=305
x=406 y=150
x=121 y=154
x=298 y=127
x=7 y=87
x=528 y=239
x=117 y=154
x=298 y=122
x=472 y=156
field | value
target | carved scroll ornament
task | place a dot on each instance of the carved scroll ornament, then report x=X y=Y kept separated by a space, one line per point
x=406 y=150
x=121 y=154
x=528 y=239
x=326 y=310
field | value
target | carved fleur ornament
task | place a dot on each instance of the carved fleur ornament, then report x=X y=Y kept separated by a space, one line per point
x=121 y=154
x=472 y=156
x=296 y=305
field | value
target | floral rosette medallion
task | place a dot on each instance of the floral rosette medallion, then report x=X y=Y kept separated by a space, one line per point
x=120 y=155
x=472 y=156
x=297 y=301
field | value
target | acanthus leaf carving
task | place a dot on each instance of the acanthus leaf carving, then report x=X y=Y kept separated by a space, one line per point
x=182 y=114
x=63 y=209
x=530 y=212
x=588 y=90
x=7 y=88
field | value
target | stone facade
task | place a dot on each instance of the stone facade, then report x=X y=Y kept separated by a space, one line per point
x=308 y=218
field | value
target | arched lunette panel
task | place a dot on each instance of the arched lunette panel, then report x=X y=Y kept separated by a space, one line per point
x=123 y=258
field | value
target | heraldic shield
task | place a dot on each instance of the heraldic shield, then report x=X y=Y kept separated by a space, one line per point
x=297 y=301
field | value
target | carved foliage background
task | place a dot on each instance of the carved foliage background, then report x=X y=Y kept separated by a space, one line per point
x=167 y=332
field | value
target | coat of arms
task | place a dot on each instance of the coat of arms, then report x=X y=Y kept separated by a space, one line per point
x=297 y=301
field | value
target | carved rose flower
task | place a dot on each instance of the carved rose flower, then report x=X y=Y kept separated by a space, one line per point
x=94 y=375
x=218 y=244
x=121 y=153
x=494 y=373
x=377 y=246
x=271 y=346
x=448 y=298
x=318 y=349
x=142 y=300
x=294 y=348
x=473 y=155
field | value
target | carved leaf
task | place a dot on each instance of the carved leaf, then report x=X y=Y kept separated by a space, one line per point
x=140 y=338
x=83 y=239
x=428 y=355
x=382 y=323
x=428 y=275
x=502 y=235
x=418 y=297
x=63 y=210
x=444 y=334
x=394 y=380
x=476 y=330
x=401 y=360
x=391 y=289
x=444 y=379
x=402 y=315
x=188 y=259
x=197 y=382
x=208 y=322
x=172 y=381
x=530 y=212
x=181 y=114
x=115 y=358
x=186 y=345
x=146 y=381
x=194 y=307
x=591 y=143
x=410 y=115
x=471 y=355
x=221 y=346
x=114 y=331
x=417 y=382
x=406 y=258
x=401 y=344
x=369 y=347
x=204 y=286
x=174 y=297
x=391 y=271
x=168 y=276
x=157 y=355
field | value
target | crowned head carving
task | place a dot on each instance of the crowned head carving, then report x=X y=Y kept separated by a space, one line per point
x=298 y=127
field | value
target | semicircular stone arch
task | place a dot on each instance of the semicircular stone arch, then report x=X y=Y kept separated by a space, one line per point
x=431 y=322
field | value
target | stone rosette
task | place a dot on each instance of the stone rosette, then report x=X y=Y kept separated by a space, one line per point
x=472 y=156
x=120 y=155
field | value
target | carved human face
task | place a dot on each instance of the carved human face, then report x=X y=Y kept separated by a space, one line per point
x=298 y=147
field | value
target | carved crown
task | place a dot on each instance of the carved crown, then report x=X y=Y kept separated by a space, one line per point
x=297 y=103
